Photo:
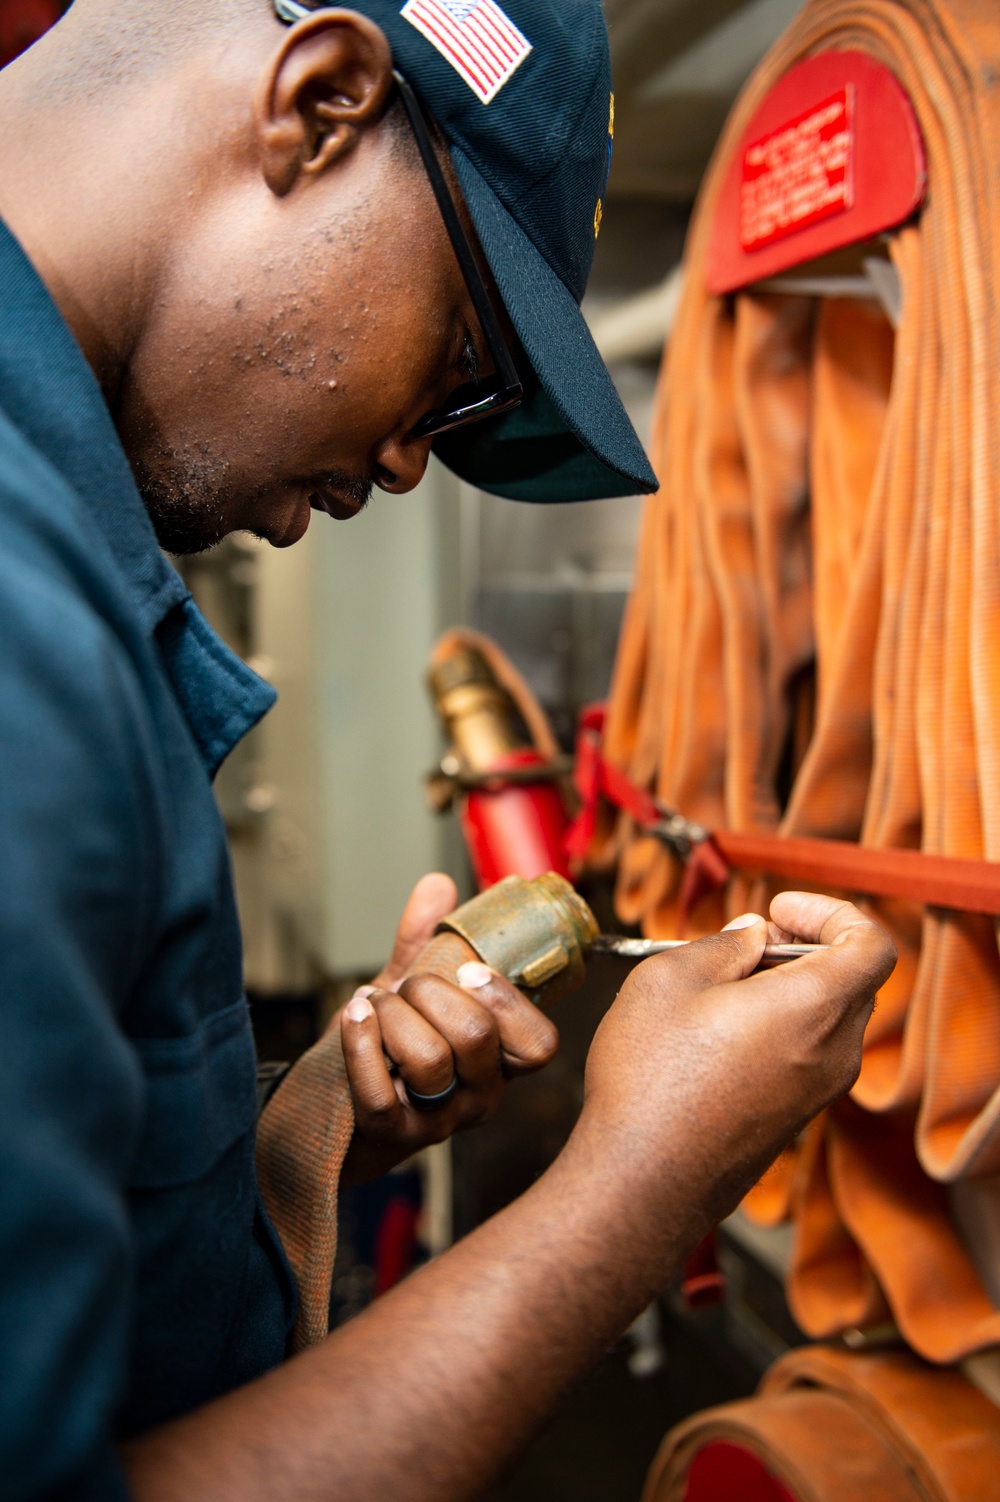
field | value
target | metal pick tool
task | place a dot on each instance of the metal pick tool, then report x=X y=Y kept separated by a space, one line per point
x=640 y=949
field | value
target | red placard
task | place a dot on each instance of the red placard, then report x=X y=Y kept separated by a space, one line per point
x=832 y=156
x=799 y=174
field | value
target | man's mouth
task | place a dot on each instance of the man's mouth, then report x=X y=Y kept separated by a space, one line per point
x=341 y=498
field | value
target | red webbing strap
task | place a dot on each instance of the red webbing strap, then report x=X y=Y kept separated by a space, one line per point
x=706 y=871
x=913 y=875
x=934 y=880
x=702 y=1280
x=595 y=778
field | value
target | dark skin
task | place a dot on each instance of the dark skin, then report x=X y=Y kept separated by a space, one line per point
x=261 y=282
x=297 y=307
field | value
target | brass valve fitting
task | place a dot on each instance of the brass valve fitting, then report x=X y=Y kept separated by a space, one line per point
x=537 y=933
x=477 y=712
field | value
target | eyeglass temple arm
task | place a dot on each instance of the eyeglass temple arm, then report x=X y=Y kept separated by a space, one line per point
x=291 y=11
x=459 y=239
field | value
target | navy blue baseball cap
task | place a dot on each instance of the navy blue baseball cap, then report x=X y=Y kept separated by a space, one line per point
x=521 y=93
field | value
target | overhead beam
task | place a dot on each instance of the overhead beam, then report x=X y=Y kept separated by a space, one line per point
x=648 y=34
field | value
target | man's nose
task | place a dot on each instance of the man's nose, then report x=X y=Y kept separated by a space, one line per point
x=400 y=463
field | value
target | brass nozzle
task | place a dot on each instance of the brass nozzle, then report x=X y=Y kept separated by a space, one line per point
x=537 y=933
x=478 y=713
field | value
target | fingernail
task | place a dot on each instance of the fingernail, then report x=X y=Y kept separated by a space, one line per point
x=358 y=1009
x=365 y=991
x=472 y=975
x=743 y=921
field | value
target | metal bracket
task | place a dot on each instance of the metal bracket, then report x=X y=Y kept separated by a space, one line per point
x=679 y=833
x=451 y=779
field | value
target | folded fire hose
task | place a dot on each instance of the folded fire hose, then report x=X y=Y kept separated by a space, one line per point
x=302 y=1140
x=812 y=649
x=826 y=1426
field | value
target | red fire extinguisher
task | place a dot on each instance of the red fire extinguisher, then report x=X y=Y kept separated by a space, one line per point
x=503 y=769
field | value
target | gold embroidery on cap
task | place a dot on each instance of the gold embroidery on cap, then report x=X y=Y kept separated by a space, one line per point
x=599 y=211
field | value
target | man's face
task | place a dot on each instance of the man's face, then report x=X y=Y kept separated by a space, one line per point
x=295 y=343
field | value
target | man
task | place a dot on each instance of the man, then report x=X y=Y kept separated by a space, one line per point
x=243 y=279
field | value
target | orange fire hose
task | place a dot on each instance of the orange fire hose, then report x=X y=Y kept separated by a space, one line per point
x=827 y=1425
x=302 y=1141
x=813 y=648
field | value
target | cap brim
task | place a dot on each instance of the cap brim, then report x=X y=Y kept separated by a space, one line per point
x=571 y=438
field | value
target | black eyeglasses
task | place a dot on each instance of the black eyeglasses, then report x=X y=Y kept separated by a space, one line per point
x=477 y=399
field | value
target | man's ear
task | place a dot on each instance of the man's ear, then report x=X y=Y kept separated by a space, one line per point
x=327 y=82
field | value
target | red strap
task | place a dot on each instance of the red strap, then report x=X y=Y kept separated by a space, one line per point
x=595 y=778
x=587 y=781
x=706 y=871
x=913 y=875
x=935 y=880
x=702 y=1279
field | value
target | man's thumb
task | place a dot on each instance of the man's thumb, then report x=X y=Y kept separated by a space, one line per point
x=749 y=931
x=433 y=897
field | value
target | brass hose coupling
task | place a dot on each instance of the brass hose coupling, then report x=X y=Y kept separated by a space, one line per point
x=537 y=933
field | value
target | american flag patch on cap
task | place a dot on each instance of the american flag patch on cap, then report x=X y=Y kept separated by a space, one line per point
x=477 y=38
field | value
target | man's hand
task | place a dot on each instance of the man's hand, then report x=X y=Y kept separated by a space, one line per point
x=479 y=1034
x=708 y=1069
x=696 y=1079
